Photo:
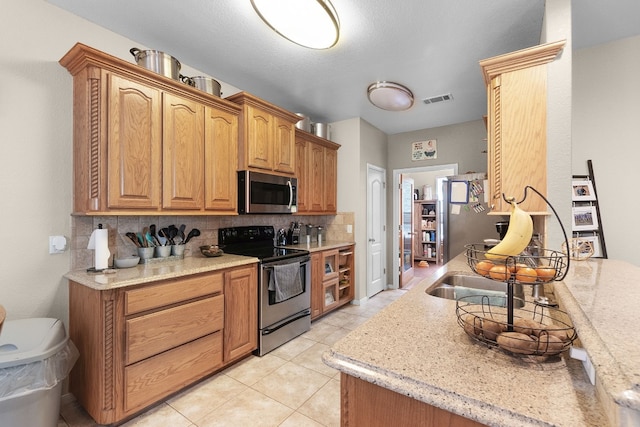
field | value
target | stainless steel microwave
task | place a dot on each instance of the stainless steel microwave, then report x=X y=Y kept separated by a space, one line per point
x=263 y=193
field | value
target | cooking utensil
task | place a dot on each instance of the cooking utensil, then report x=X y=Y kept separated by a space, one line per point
x=149 y=238
x=152 y=229
x=162 y=236
x=181 y=232
x=141 y=239
x=133 y=238
x=304 y=123
x=193 y=233
x=158 y=62
x=173 y=232
x=205 y=84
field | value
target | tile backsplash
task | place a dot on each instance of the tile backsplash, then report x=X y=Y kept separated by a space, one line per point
x=336 y=228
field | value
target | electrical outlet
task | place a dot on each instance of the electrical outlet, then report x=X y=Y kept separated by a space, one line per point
x=581 y=354
x=349 y=228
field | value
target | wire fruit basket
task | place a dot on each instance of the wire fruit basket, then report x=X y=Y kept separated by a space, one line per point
x=535 y=329
x=525 y=269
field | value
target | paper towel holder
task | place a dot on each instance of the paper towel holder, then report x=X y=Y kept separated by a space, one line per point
x=92 y=245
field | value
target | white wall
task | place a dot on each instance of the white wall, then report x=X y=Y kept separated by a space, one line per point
x=606 y=113
x=36 y=130
x=361 y=144
x=36 y=134
x=557 y=26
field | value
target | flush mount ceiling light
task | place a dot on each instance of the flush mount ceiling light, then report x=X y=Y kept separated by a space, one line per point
x=309 y=23
x=390 y=96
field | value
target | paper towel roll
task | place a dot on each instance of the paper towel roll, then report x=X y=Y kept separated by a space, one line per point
x=99 y=242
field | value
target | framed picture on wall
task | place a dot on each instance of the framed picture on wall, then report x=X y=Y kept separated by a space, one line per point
x=594 y=240
x=582 y=191
x=459 y=192
x=584 y=218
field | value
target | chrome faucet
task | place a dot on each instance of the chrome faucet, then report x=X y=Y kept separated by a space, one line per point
x=540 y=298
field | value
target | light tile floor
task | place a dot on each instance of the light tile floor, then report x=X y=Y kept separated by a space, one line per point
x=290 y=386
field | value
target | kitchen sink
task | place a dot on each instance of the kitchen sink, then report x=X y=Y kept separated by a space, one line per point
x=474 y=288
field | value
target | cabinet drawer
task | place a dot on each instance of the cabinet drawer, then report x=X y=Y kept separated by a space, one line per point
x=150 y=380
x=171 y=292
x=160 y=331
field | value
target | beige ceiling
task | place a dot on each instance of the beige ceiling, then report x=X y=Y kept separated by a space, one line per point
x=433 y=47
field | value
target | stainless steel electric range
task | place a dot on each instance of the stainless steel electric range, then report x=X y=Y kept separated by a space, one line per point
x=284 y=283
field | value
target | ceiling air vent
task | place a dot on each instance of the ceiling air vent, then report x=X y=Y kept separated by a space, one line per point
x=439 y=98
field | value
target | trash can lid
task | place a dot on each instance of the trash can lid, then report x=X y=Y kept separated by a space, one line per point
x=25 y=341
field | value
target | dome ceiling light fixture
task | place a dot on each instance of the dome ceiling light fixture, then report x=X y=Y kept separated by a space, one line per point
x=390 y=96
x=309 y=23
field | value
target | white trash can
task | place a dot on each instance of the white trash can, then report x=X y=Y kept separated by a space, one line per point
x=36 y=355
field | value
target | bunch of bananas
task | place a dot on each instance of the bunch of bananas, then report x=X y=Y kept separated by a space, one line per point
x=517 y=237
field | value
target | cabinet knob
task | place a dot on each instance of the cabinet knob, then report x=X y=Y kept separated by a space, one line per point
x=372 y=240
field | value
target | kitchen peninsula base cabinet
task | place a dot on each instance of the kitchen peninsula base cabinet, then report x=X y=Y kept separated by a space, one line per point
x=139 y=344
x=332 y=279
x=146 y=143
x=366 y=404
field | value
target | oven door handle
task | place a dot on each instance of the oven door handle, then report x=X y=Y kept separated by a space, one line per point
x=302 y=314
x=290 y=194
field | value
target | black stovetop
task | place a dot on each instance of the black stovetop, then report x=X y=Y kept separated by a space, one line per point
x=256 y=241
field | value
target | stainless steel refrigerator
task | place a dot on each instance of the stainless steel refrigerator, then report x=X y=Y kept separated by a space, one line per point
x=464 y=224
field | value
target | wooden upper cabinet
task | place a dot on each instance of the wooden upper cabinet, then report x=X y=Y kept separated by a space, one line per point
x=317 y=166
x=302 y=173
x=316 y=177
x=221 y=152
x=259 y=138
x=284 y=153
x=517 y=126
x=330 y=180
x=183 y=153
x=266 y=136
x=143 y=142
x=134 y=142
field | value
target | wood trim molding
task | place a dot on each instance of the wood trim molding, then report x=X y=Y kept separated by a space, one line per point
x=529 y=57
x=245 y=98
x=316 y=139
x=81 y=56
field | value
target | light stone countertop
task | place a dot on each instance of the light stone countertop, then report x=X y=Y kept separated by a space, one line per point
x=324 y=246
x=157 y=270
x=415 y=347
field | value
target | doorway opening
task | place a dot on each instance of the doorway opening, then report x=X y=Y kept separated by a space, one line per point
x=426 y=175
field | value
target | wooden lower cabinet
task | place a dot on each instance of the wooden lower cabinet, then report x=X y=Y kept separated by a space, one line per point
x=241 y=313
x=367 y=404
x=150 y=380
x=142 y=343
x=332 y=279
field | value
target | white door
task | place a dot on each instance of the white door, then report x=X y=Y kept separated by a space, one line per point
x=406 y=230
x=376 y=228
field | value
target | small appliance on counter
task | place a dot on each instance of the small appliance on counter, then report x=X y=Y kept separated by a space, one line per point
x=501 y=228
x=293 y=234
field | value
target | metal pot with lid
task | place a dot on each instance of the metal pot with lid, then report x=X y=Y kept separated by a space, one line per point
x=205 y=84
x=158 y=62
